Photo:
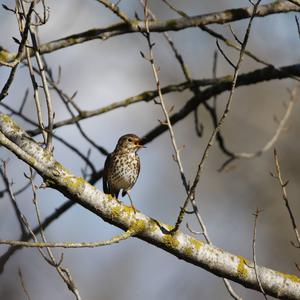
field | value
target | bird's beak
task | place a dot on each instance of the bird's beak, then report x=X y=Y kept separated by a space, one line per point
x=141 y=146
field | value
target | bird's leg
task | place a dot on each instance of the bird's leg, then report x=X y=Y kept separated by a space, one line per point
x=127 y=192
x=119 y=201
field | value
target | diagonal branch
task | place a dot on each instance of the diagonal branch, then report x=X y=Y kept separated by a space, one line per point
x=183 y=246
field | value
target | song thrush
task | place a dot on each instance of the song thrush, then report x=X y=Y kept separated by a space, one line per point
x=122 y=166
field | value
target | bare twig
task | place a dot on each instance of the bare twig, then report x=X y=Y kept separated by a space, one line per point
x=211 y=142
x=161 y=100
x=46 y=92
x=254 y=252
x=248 y=155
x=32 y=76
x=50 y=112
x=67 y=100
x=19 y=191
x=24 y=35
x=127 y=234
x=283 y=184
x=224 y=55
x=298 y=25
x=62 y=271
x=169 y=125
x=20 y=216
x=24 y=101
x=23 y=284
x=116 y=10
x=62 y=140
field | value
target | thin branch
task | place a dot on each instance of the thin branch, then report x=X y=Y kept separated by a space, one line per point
x=24 y=35
x=224 y=55
x=67 y=100
x=254 y=253
x=191 y=195
x=116 y=10
x=280 y=128
x=283 y=184
x=33 y=79
x=219 y=36
x=48 y=220
x=42 y=74
x=298 y=25
x=24 y=101
x=127 y=234
x=62 y=140
x=62 y=271
x=23 y=284
x=161 y=100
x=218 y=86
x=170 y=128
x=8 y=185
x=46 y=93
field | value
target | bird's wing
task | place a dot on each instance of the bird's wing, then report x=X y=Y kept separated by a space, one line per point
x=106 y=189
x=139 y=167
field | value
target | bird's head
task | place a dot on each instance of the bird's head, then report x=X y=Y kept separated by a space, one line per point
x=130 y=142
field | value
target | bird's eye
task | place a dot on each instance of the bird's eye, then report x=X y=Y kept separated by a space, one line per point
x=130 y=140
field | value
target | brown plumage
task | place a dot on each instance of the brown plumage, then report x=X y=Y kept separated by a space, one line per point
x=122 y=166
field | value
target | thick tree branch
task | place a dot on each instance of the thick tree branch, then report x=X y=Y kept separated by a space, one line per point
x=211 y=258
x=132 y=26
x=216 y=87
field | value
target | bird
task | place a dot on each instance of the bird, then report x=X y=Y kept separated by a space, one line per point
x=122 y=166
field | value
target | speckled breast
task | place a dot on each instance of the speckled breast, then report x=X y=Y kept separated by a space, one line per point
x=125 y=171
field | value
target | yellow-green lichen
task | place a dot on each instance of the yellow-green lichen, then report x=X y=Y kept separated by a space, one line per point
x=195 y=243
x=31 y=161
x=138 y=226
x=188 y=251
x=5 y=118
x=242 y=269
x=5 y=56
x=60 y=167
x=73 y=182
x=47 y=155
x=127 y=209
x=291 y=277
x=152 y=225
x=169 y=227
x=171 y=241
x=110 y=197
x=116 y=211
